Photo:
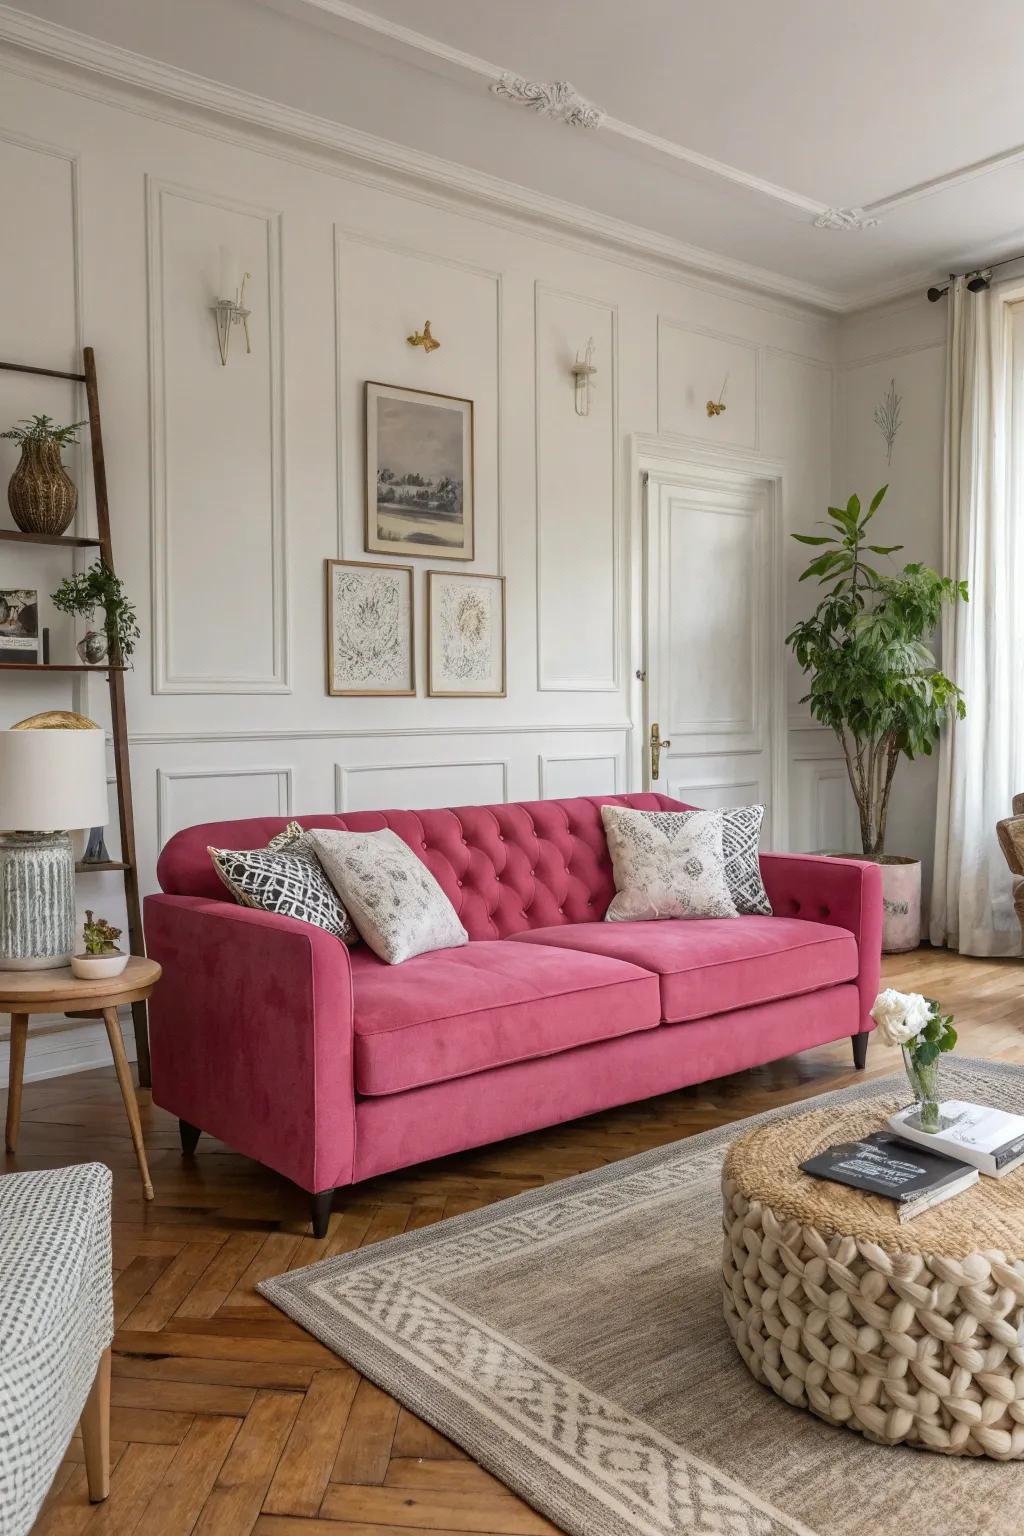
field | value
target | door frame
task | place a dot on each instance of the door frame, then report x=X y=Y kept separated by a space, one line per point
x=692 y=464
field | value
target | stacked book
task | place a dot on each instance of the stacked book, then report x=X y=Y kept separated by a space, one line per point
x=918 y=1169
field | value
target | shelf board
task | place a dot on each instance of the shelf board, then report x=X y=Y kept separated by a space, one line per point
x=56 y=666
x=99 y=866
x=69 y=541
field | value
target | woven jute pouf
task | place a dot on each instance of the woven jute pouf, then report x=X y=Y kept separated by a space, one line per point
x=907 y=1333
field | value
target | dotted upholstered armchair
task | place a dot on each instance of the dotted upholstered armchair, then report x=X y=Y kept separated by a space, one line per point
x=56 y=1323
x=1011 y=840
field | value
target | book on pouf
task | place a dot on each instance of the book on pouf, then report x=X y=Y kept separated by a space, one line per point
x=991 y=1140
x=913 y=1178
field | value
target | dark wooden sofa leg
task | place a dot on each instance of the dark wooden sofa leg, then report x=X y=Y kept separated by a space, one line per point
x=860 y=1049
x=189 y=1136
x=320 y=1211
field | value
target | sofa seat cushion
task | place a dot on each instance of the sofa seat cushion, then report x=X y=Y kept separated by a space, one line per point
x=457 y=1011
x=710 y=965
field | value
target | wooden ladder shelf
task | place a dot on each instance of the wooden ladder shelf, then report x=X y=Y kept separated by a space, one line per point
x=126 y=865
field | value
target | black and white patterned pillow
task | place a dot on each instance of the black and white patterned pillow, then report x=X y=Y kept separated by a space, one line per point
x=285 y=877
x=741 y=835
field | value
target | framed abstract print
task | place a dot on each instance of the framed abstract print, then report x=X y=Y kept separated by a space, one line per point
x=419 y=473
x=465 y=635
x=370 y=633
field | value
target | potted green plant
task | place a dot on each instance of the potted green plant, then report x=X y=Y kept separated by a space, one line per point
x=875 y=683
x=41 y=494
x=98 y=587
x=101 y=957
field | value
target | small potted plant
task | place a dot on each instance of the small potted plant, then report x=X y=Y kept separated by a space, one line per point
x=101 y=958
x=920 y=1028
x=41 y=494
x=98 y=587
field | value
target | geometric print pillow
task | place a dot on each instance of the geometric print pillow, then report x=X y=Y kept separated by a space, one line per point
x=741 y=835
x=666 y=864
x=285 y=877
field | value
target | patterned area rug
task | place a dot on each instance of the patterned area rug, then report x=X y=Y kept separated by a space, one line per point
x=571 y=1340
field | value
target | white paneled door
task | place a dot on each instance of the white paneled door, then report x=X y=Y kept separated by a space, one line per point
x=715 y=724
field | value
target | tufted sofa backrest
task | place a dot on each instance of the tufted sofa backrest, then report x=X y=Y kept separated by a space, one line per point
x=503 y=867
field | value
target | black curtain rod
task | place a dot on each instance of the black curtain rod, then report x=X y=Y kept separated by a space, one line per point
x=979 y=278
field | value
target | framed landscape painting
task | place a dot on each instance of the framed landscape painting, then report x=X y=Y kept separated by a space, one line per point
x=465 y=635
x=419 y=473
x=370 y=645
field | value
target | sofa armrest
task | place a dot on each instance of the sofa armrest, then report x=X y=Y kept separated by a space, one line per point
x=844 y=892
x=251 y=1031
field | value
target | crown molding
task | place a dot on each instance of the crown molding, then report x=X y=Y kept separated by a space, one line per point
x=823 y=215
x=364 y=153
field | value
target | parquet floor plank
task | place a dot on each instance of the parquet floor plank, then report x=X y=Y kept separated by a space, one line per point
x=227 y=1418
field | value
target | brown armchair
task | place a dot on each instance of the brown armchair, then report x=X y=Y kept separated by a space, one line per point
x=1011 y=840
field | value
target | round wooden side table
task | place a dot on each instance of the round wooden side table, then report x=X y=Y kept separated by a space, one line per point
x=61 y=991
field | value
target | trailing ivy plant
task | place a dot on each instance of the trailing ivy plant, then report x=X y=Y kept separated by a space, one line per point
x=98 y=587
x=873 y=676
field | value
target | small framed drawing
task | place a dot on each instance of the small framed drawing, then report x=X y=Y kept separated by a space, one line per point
x=370 y=645
x=465 y=635
x=419 y=473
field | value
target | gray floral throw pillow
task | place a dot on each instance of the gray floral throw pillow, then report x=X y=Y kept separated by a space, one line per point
x=666 y=864
x=285 y=877
x=390 y=894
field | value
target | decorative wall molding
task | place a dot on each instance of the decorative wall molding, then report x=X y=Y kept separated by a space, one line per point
x=555 y=98
x=547 y=683
x=845 y=219
x=354 y=733
x=545 y=761
x=666 y=324
x=345 y=235
x=344 y=773
x=166 y=778
x=164 y=679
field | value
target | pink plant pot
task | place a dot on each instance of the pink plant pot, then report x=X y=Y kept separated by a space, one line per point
x=901 y=901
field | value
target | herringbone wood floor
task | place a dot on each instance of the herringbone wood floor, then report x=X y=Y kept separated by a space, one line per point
x=227 y=1417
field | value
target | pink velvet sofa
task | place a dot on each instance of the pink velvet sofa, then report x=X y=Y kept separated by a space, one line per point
x=332 y=1067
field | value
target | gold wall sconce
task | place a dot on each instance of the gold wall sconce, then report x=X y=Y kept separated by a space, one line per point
x=583 y=371
x=424 y=339
x=228 y=312
x=716 y=407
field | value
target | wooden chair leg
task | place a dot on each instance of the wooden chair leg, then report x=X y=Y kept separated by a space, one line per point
x=131 y=1104
x=95 y=1424
x=19 y=1036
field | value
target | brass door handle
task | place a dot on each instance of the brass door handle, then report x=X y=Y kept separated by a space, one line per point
x=658 y=745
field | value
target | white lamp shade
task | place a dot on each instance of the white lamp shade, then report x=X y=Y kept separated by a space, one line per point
x=52 y=781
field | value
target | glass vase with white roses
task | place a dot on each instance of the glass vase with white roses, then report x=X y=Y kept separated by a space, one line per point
x=918 y=1025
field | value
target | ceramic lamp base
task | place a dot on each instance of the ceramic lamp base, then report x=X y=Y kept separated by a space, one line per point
x=37 y=901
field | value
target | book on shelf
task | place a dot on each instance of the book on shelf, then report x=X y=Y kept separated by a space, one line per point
x=913 y=1178
x=991 y=1140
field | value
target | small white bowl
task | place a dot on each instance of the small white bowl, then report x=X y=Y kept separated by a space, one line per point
x=97 y=967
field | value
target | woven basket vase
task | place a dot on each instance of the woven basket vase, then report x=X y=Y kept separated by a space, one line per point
x=41 y=494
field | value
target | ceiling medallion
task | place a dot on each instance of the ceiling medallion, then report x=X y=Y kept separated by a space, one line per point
x=844 y=218
x=556 y=98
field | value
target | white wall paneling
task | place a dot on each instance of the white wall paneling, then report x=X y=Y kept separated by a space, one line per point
x=220 y=620
x=579 y=773
x=420 y=786
x=186 y=796
x=578 y=538
x=693 y=363
x=713 y=795
x=823 y=816
x=384 y=292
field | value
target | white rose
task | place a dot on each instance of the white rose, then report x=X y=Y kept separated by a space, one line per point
x=900 y=1016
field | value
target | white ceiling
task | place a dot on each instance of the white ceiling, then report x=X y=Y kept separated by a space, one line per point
x=729 y=126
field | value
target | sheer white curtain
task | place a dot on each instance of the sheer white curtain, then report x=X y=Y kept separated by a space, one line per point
x=981 y=761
